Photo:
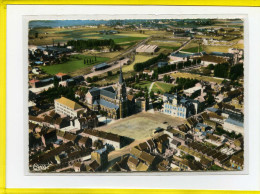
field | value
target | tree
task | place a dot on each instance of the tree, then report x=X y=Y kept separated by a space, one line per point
x=55 y=82
x=89 y=79
x=84 y=61
x=95 y=78
x=236 y=71
x=210 y=66
x=152 y=96
x=221 y=70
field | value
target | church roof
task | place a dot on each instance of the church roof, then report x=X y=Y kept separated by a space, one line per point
x=109 y=88
x=94 y=91
x=108 y=104
x=108 y=94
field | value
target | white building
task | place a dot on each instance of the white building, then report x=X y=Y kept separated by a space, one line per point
x=179 y=107
x=233 y=125
x=67 y=107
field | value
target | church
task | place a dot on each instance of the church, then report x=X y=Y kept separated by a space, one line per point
x=113 y=100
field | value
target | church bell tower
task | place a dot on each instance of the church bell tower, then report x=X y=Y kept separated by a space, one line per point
x=121 y=95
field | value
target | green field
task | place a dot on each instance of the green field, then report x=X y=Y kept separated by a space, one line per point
x=198 y=77
x=192 y=49
x=162 y=87
x=138 y=59
x=47 y=36
x=75 y=62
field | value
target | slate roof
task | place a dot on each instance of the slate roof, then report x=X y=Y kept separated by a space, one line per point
x=220 y=54
x=108 y=104
x=234 y=122
x=108 y=94
x=109 y=88
x=102 y=65
x=94 y=91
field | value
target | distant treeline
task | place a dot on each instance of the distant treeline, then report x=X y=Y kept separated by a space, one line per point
x=148 y=63
x=93 y=44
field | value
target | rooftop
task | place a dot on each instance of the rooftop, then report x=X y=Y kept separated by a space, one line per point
x=69 y=103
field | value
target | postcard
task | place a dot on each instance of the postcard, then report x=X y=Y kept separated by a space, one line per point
x=136 y=95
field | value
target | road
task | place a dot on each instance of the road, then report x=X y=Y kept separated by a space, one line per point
x=182 y=46
x=121 y=62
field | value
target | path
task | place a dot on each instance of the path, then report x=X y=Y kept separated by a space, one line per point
x=150 y=88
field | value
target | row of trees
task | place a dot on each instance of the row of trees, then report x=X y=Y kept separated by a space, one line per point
x=80 y=45
x=186 y=82
x=148 y=63
x=224 y=70
x=90 y=60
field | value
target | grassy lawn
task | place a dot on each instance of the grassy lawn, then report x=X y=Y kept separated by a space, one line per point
x=215 y=167
x=173 y=48
x=144 y=84
x=138 y=59
x=199 y=77
x=167 y=43
x=192 y=49
x=209 y=49
x=162 y=87
x=75 y=62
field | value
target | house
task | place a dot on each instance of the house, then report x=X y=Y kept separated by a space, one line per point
x=69 y=137
x=147 y=158
x=89 y=121
x=200 y=127
x=195 y=91
x=93 y=166
x=101 y=156
x=210 y=123
x=61 y=123
x=237 y=162
x=174 y=143
x=132 y=163
x=62 y=76
x=148 y=72
x=78 y=167
x=206 y=164
x=111 y=139
x=84 y=142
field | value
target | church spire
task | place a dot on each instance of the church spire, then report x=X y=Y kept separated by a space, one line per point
x=121 y=79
